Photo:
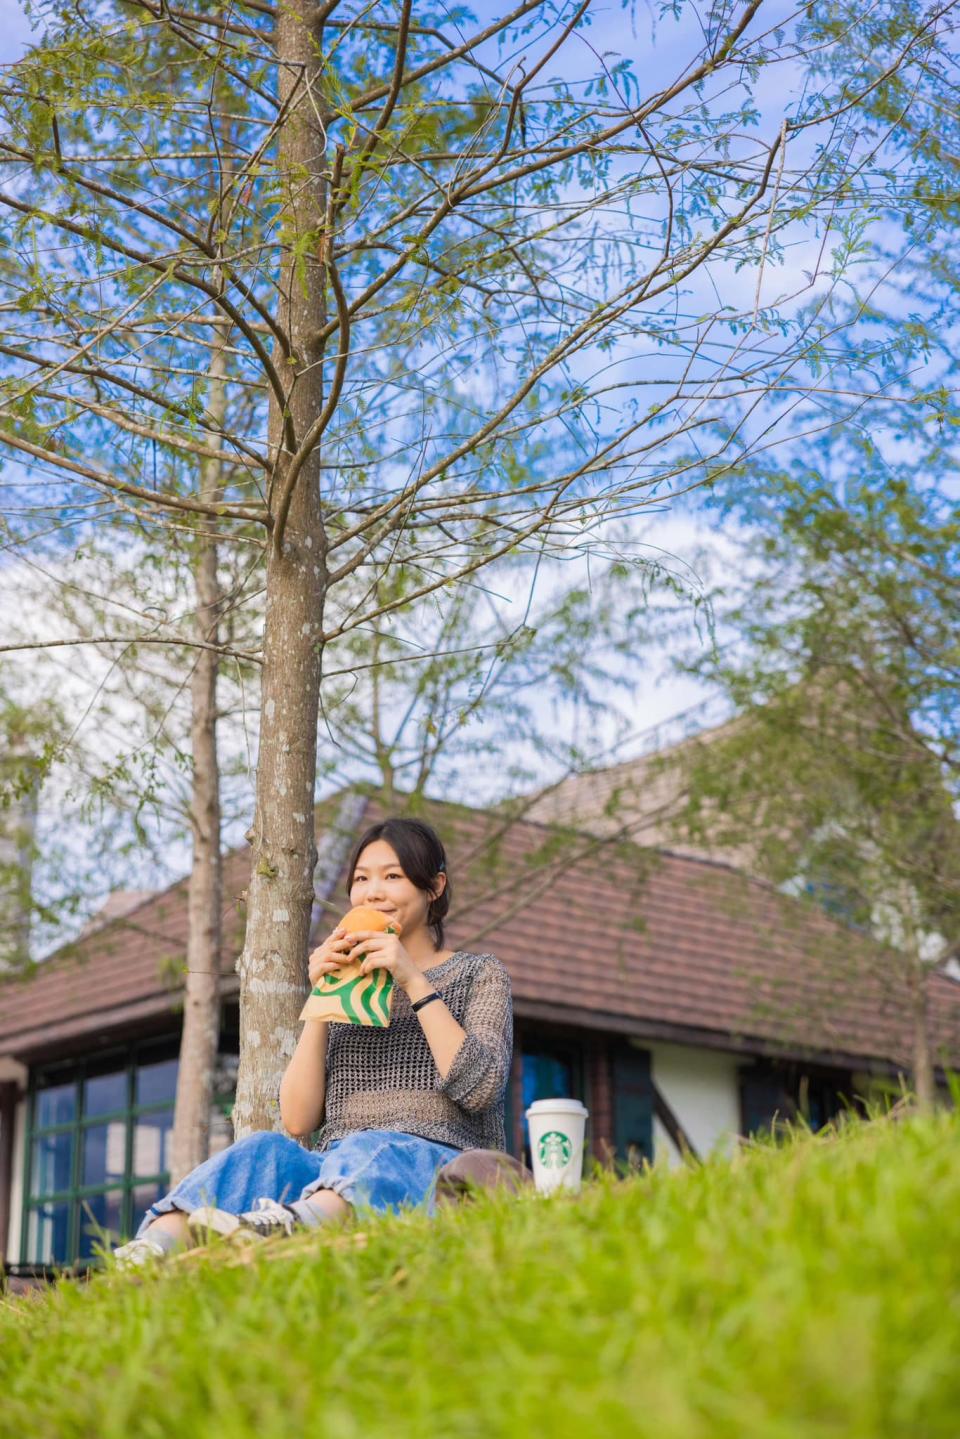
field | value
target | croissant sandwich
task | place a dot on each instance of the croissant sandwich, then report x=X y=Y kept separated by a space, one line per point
x=347 y=996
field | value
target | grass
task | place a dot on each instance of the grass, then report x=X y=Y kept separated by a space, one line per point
x=807 y=1290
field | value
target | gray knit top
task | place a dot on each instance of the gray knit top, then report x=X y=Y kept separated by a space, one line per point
x=388 y=1079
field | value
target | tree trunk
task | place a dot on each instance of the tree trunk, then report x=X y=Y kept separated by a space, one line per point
x=272 y=966
x=924 y=1080
x=18 y=824
x=201 y=1012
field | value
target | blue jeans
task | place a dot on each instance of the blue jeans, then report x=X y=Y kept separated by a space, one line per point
x=374 y=1169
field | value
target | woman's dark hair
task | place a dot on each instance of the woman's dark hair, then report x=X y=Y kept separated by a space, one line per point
x=422 y=857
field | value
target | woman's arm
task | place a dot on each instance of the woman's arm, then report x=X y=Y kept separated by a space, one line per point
x=475 y=1074
x=472 y=1059
x=441 y=1031
x=303 y=1089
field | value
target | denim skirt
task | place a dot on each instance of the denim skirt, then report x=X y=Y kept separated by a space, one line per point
x=377 y=1170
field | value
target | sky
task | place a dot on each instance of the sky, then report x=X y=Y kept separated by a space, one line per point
x=660 y=693
x=15 y=32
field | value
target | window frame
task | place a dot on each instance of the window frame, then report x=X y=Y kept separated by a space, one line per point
x=127 y=1060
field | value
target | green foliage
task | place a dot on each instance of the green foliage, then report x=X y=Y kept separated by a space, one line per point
x=31 y=739
x=842 y=658
x=483 y=243
x=440 y=691
x=803 y=1291
x=171 y=970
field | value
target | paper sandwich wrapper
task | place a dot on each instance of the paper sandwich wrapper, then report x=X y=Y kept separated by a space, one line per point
x=349 y=997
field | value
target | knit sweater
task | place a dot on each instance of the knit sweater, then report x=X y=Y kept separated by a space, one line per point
x=388 y=1078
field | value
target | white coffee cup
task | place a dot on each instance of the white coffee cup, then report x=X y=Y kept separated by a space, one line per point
x=556 y=1143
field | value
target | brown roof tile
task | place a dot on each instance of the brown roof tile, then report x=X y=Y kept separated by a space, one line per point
x=592 y=934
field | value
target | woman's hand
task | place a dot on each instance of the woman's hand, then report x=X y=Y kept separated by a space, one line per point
x=329 y=956
x=384 y=951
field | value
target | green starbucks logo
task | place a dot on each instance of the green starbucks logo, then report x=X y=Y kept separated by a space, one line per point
x=554 y=1149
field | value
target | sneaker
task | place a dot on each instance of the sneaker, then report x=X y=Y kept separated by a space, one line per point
x=138 y=1252
x=266 y=1219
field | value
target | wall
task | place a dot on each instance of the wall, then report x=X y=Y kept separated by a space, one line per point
x=702 y=1088
x=16 y=1188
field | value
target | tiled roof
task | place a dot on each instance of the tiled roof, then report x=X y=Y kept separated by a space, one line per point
x=132 y=963
x=637 y=799
x=608 y=936
x=699 y=952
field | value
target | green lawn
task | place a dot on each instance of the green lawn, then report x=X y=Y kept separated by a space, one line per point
x=808 y=1290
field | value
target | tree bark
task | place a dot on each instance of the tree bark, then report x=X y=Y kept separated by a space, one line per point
x=924 y=1080
x=190 y=1140
x=272 y=966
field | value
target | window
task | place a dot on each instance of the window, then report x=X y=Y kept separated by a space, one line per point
x=548 y=1073
x=632 y=1106
x=777 y=1094
x=98 y=1150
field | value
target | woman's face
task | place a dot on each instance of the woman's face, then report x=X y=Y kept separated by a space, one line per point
x=379 y=881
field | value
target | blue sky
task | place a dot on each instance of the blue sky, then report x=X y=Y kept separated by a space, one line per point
x=15 y=32
x=660 y=694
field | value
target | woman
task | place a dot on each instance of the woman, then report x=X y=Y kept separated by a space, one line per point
x=393 y=1105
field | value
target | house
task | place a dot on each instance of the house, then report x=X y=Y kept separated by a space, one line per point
x=683 y=1001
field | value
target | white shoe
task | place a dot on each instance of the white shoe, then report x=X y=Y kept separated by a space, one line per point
x=137 y=1252
x=263 y=1221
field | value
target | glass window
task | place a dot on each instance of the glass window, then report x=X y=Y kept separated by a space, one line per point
x=143 y=1196
x=104 y=1153
x=157 y=1082
x=547 y=1074
x=48 y=1234
x=632 y=1106
x=106 y=1094
x=98 y=1150
x=52 y=1168
x=99 y=1212
x=57 y=1105
x=151 y=1143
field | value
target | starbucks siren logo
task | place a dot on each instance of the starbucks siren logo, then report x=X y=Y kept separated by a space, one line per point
x=554 y=1149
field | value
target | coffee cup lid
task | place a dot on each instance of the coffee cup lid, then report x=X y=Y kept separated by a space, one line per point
x=557 y=1106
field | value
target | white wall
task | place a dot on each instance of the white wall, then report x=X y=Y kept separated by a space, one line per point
x=16 y=1188
x=702 y=1089
x=11 y=1068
